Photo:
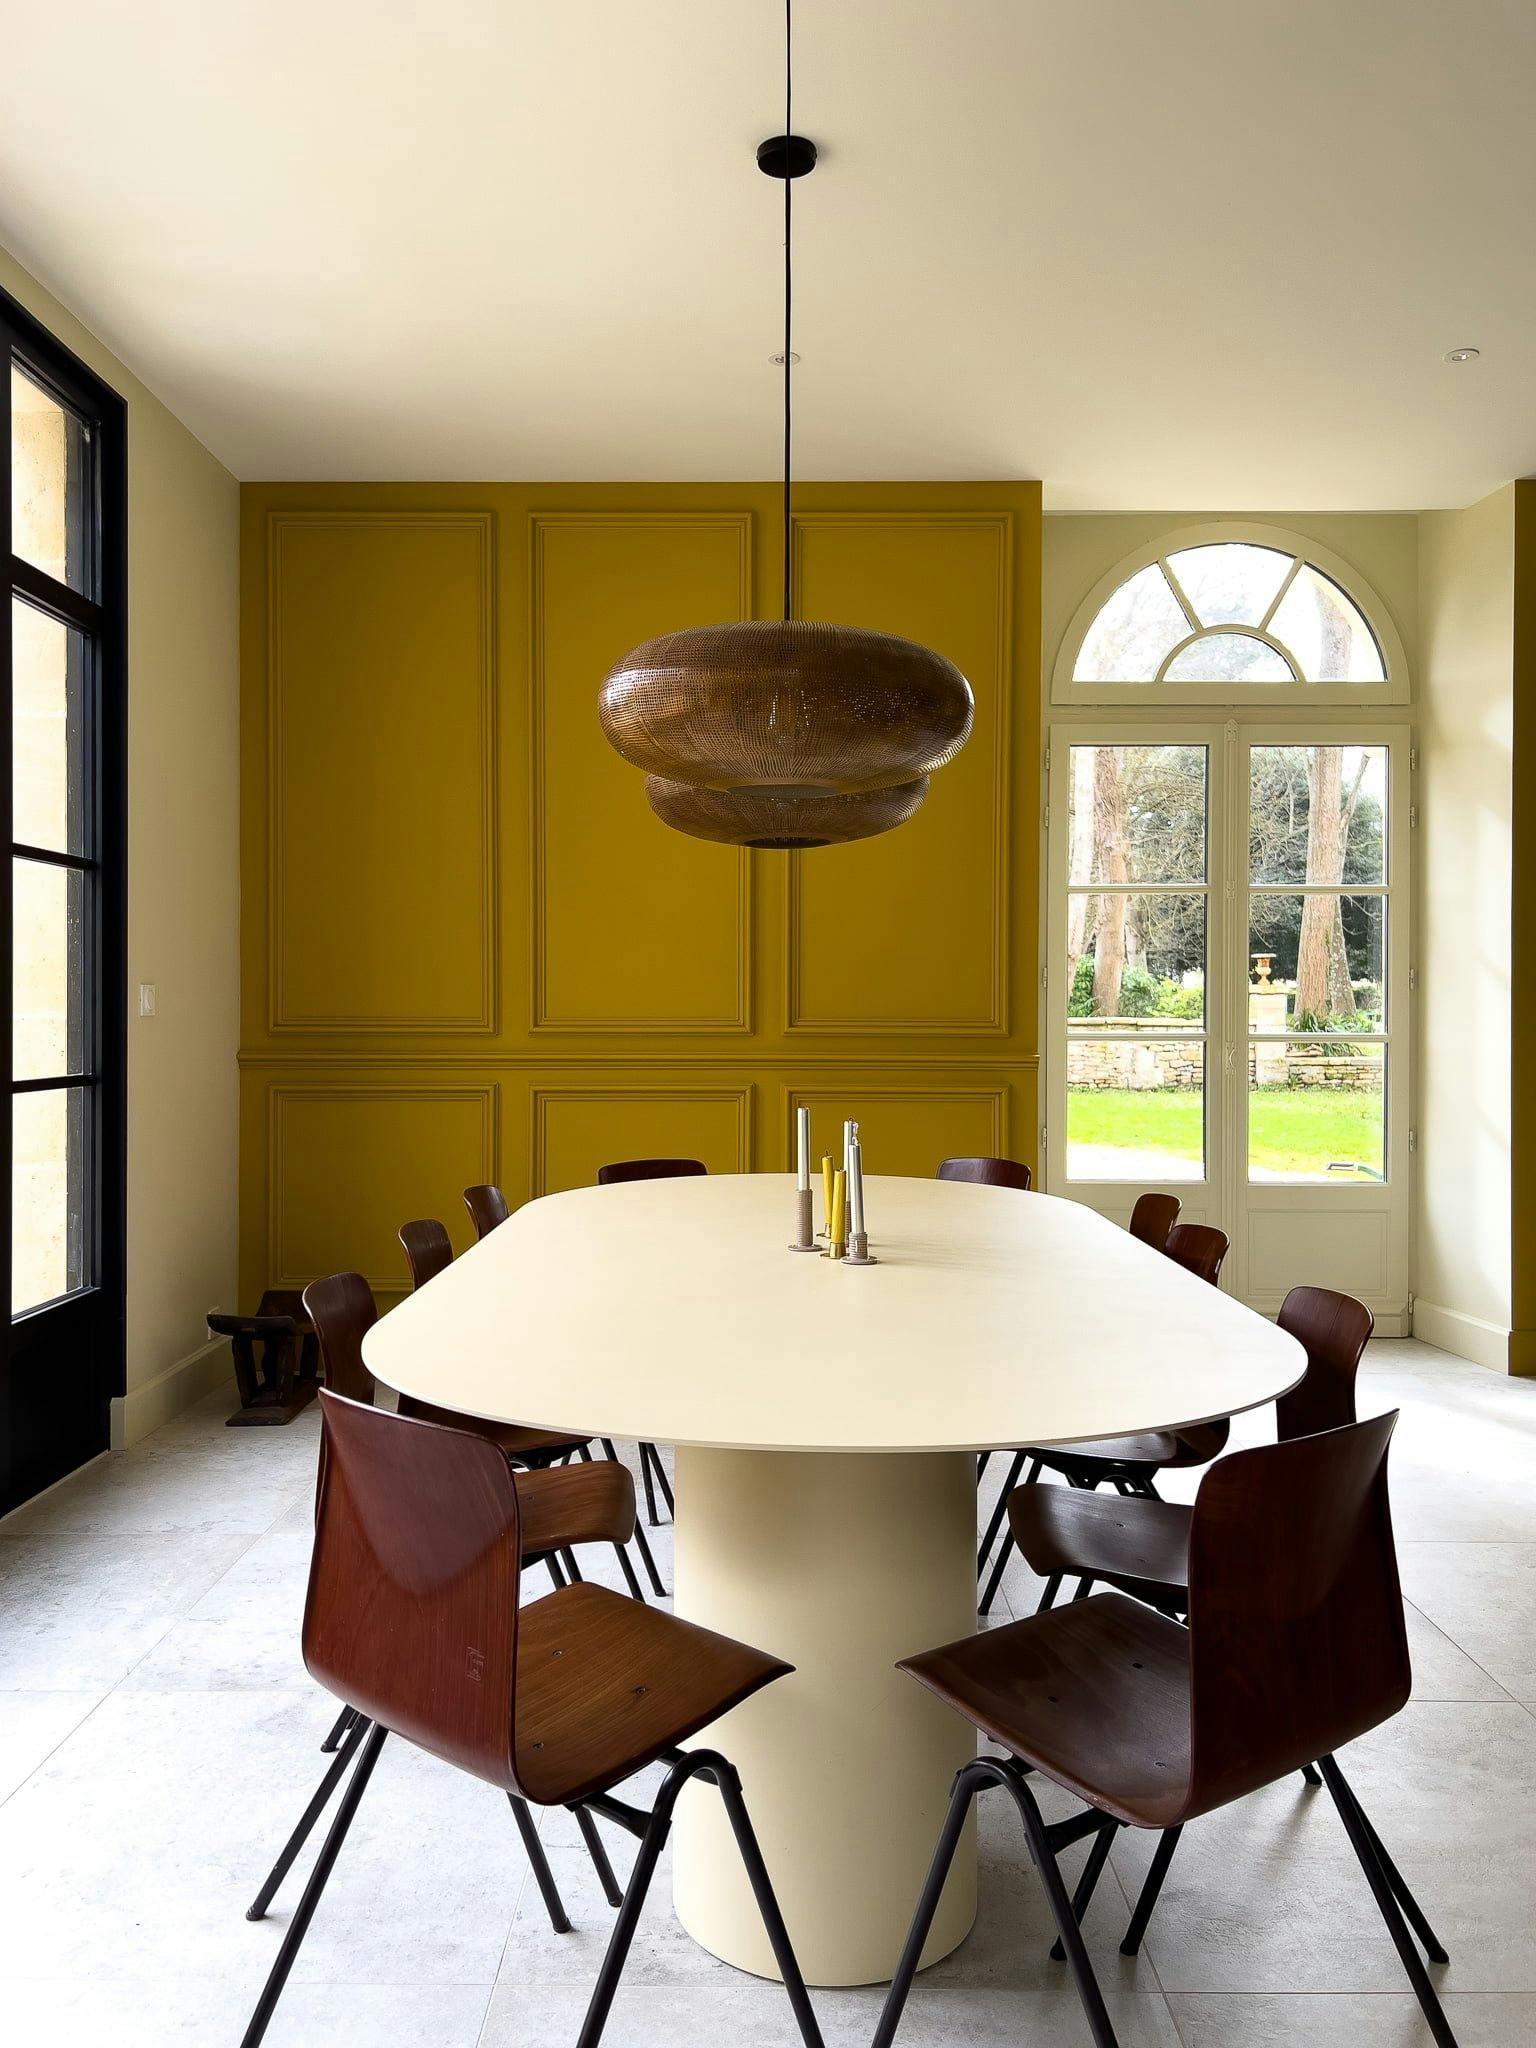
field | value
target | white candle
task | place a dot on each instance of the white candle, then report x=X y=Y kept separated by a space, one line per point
x=850 y=1134
x=856 y=1189
x=803 y=1149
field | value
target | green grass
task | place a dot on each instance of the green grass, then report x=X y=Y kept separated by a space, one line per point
x=1293 y=1132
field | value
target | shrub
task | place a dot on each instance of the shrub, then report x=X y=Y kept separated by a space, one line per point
x=1139 y=993
x=1080 y=1001
x=1174 y=1000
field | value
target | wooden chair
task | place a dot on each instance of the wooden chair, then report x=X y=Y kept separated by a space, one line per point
x=1128 y=1463
x=487 y=1208
x=428 y=1249
x=560 y=1509
x=989 y=1173
x=1152 y=1219
x=617 y=1174
x=413 y=1617
x=1295 y=1646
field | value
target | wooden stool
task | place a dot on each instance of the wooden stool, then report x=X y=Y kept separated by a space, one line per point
x=287 y=1377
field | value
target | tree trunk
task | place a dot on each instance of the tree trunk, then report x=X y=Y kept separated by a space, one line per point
x=1323 y=986
x=1113 y=865
x=1080 y=858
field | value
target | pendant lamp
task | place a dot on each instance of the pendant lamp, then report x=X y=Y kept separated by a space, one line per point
x=785 y=732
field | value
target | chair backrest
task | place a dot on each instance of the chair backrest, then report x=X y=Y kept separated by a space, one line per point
x=487 y=1207
x=428 y=1249
x=989 y=1173
x=1199 y=1248
x=412 y=1608
x=343 y=1312
x=1296 y=1636
x=1335 y=1329
x=1152 y=1219
x=622 y=1170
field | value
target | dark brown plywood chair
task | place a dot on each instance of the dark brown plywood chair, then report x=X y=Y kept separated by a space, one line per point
x=1153 y=1217
x=487 y=1207
x=428 y=1249
x=1295 y=1646
x=413 y=1617
x=988 y=1173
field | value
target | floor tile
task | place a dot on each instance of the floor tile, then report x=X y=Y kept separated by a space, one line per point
x=177 y=2012
x=1483 y=1597
x=1387 y=2020
x=32 y=1725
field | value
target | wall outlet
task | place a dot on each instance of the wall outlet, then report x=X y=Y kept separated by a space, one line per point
x=146 y=999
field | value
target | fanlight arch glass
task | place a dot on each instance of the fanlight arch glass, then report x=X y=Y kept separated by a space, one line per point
x=1230 y=612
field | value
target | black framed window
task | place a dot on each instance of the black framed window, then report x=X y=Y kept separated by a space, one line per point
x=63 y=678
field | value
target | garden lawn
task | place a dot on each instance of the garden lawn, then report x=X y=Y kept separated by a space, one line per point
x=1293 y=1133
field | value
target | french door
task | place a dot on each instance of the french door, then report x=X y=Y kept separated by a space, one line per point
x=1227 y=991
x=62 y=910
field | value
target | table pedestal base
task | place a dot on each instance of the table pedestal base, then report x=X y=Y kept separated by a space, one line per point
x=839 y=1564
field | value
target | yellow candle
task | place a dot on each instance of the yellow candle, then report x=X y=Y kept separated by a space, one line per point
x=826 y=1192
x=838 y=1232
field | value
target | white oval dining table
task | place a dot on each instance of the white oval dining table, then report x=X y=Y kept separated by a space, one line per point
x=825 y=1420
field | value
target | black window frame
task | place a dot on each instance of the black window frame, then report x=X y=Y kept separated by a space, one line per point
x=62 y=1361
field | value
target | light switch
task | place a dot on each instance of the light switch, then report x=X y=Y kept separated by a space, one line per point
x=146 y=999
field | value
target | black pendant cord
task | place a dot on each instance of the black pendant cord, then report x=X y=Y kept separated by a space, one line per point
x=789 y=188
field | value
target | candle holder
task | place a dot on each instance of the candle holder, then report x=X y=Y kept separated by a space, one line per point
x=858 y=1252
x=805 y=1238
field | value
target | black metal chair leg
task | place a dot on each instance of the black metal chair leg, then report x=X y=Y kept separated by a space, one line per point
x=767 y=1904
x=304 y=1912
x=552 y=1565
x=257 y=1910
x=650 y=1451
x=963 y=1792
x=544 y=1877
x=650 y=1490
x=1005 y=1551
x=1152 y=1885
x=339 y=1728
x=629 y=1573
x=613 y=1891
x=1082 y=1589
x=572 y=1568
x=1309 y=1774
x=1048 y=1595
x=1092 y=1871
x=641 y=1544
x=1358 y=1829
x=982 y=1460
x=1094 y=2008
x=1412 y=1911
x=999 y=1509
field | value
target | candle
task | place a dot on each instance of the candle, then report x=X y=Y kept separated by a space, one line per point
x=803 y=1150
x=850 y=1132
x=837 y=1233
x=826 y=1194
x=856 y=1191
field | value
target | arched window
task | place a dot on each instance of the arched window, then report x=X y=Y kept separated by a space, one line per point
x=1227 y=614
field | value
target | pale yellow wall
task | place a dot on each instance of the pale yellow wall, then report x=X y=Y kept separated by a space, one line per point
x=183 y=883
x=1466 y=610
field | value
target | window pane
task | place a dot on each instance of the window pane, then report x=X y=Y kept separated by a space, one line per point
x=1316 y=1111
x=1229 y=658
x=1326 y=632
x=1127 y=641
x=1230 y=582
x=1136 y=1109
x=1137 y=814
x=48 y=662
x=1317 y=963
x=47 y=496
x=1136 y=962
x=1317 y=814
x=49 y=1166
x=48 y=991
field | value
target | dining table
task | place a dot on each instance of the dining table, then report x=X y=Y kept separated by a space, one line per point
x=826 y=1420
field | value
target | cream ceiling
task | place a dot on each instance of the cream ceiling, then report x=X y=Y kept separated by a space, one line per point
x=1157 y=252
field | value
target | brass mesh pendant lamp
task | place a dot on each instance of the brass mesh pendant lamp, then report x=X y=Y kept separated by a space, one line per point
x=784 y=732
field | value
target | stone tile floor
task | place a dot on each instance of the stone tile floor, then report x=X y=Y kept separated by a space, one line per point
x=158 y=1738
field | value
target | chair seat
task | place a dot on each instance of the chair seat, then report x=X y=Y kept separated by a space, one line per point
x=1094 y=1695
x=510 y=1438
x=574 y=1504
x=1141 y=1546
x=606 y=1685
x=1136 y=1456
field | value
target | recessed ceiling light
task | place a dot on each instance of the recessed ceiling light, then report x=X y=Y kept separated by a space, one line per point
x=1462 y=355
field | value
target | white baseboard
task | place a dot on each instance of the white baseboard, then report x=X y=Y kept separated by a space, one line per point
x=142 y=1409
x=1467 y=1336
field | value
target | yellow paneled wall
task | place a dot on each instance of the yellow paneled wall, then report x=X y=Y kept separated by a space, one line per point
x=469 y=950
